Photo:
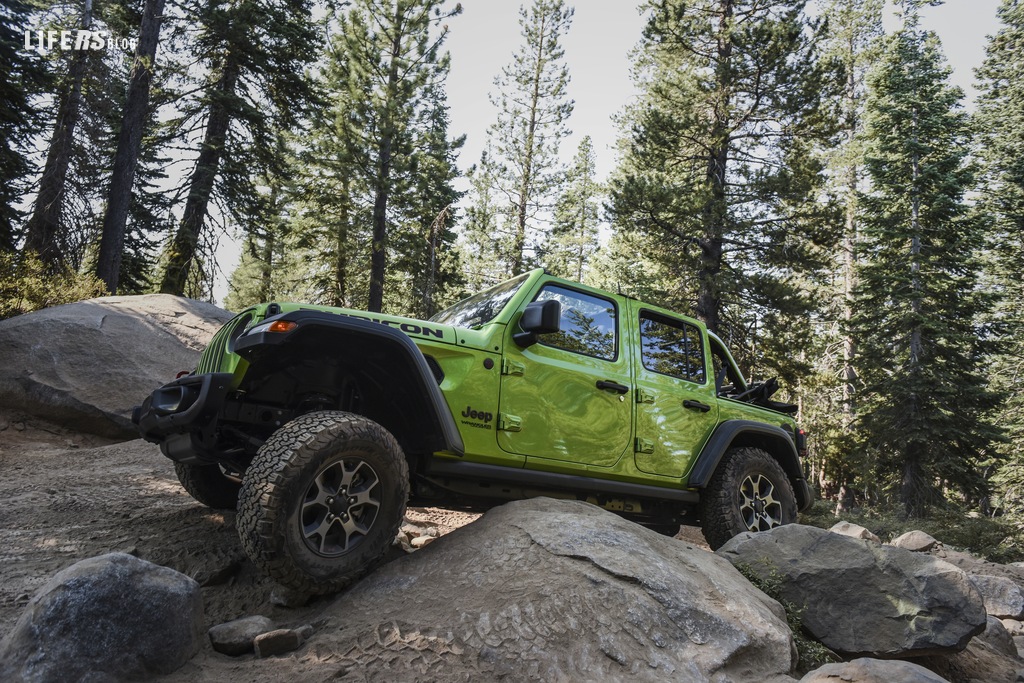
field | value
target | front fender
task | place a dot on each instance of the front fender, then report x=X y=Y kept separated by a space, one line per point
x=399 y=388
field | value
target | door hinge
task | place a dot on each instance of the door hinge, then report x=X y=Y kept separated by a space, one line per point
x=644 y=396
x=644 y=445
x=509 y=423
x=510 y=367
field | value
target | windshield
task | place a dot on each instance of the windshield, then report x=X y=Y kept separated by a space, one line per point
x=481 y=308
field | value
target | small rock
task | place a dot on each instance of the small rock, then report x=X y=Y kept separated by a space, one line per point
x=915 y=541
x=866 y=670
x=19 y=426
x=219 y=575
x=236 y=637
x=286 y=597
x=998 y=638
x=1018 y=642
x=854 y=530
x=1013 y=626
x=421 y=541
x=305 y=632
x=277 y=642
x=4 y=424
x=1003 y=597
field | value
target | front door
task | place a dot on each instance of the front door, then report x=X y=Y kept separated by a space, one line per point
x=676 y=407
x=567 y=397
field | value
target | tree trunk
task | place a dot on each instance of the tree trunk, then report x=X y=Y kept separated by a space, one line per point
x=519 y=246
x=711 y=242
x=912 y=490
x=129 y=140
x=43 y=227
x=378 y=251
x=182 y=251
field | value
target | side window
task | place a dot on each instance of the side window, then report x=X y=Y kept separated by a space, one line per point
x=587 y=323
x=672 y=348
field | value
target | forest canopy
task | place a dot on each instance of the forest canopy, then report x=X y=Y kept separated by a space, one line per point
x=805 y=182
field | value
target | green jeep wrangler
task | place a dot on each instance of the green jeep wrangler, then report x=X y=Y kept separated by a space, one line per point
x=320 y=424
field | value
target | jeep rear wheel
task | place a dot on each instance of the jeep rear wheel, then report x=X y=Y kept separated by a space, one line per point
x=748 y=492
x=209 y=485
x=322 y=501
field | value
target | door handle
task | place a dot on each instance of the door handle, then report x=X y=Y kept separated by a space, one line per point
x=696 y=405
x=608 y=385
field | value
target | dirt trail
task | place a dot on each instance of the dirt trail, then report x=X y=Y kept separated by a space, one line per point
x=68 y=496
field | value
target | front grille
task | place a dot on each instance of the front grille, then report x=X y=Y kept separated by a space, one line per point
x=222 y=343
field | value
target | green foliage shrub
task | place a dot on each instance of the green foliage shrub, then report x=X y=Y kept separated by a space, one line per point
x=25 y=286
x=992 y=538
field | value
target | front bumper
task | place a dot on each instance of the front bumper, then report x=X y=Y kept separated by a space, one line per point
x=180 y=415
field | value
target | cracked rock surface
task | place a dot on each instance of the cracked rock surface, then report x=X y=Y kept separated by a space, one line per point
x=546 y=590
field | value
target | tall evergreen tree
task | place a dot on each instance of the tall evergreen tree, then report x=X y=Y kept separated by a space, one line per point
x=44 y=233
x=425 y=258
x=719 y=168
x=386 y=153
x=533 y=110
x=854 y=32
x=23 y=76
x=482 y=246
x=917 y=302
x=126 y=156
x=254 y=52
x=999 y=123
x=573 y=240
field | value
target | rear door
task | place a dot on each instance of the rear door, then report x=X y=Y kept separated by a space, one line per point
x=676 y=406
x=567 y=398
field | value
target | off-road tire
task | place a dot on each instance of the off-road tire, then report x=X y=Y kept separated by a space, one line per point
x=208 y=485
x=748 y=481
x=285 y=523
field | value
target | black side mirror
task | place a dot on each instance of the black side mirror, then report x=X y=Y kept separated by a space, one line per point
x=540 y=317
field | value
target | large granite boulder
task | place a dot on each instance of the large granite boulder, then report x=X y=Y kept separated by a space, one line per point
x=860 y=598
x=85 y=365
x=547 y=590
x=113 y=617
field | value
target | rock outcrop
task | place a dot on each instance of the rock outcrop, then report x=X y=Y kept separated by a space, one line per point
x=113 y=617
x=864 y=599
x=85 y=365
x=554 y=590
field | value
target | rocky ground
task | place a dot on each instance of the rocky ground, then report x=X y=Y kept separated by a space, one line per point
x=69 y=496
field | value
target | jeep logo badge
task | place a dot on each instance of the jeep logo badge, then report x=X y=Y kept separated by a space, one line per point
x=477 y=418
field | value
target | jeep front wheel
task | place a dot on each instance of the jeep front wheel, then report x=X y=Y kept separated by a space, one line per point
x=748 y=492
x=322 y=501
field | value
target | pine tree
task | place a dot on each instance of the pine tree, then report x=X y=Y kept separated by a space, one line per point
x=533 y=109
x=23 y=76
x=482 y=246
x=719 y=169
x=45 y=234
x=573 y=240
x=126 y=157
x=917 y=302
x=384 y=153
x=425 y=256
x=999 y=123
x=254 y=52
x=854 y=31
